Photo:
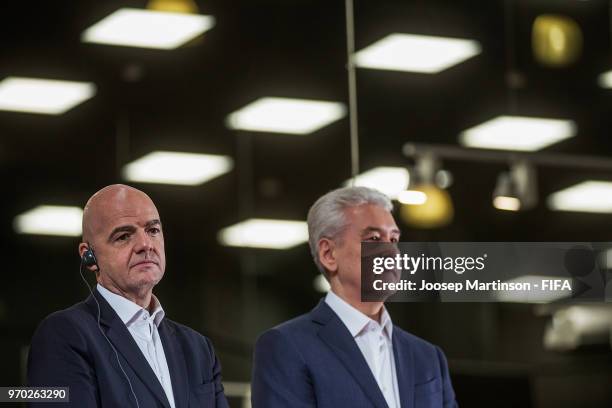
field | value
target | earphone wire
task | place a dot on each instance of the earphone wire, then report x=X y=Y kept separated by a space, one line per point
x=104 y=335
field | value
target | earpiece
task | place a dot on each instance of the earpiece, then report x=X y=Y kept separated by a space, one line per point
x=89 y=258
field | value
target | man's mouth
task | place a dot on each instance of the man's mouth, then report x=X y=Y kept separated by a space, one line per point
x=145 y=262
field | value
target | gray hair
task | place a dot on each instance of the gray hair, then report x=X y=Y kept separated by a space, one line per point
x=326 y=218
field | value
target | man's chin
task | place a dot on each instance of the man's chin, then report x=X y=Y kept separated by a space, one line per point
x=148 y=278
x=372 y=295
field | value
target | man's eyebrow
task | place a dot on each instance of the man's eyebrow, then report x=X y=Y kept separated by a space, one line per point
x=131 y=228
x=376 y=229
x=153 y=222
x=122 y=228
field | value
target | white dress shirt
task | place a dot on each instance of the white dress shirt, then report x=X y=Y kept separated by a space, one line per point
x=143 y=328
x=374 y=341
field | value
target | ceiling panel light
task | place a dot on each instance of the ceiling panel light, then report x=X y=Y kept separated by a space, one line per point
x=50 y=220
x=187 y=169
x=286 y=115
x=518 y=133
x=265 y=233
x=588 y=196
x=605 y=79
x=51 y=97
x=390 y=181
x=416 y=53
x=148 y=29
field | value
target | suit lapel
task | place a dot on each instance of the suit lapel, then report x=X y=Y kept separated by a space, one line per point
x=335 y=334
x=404 y=366
x=176 y=364
x=119 y=335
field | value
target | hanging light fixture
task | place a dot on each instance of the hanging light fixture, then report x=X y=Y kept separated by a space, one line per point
x=556 y=40
x=424 y=203
x=176 y=6
x=504 y=195
x=517 y=189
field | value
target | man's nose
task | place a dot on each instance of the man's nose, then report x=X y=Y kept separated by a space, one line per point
x=143 y=242
x=389 y=240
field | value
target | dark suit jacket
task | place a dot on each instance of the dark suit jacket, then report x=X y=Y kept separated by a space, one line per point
x=68 y=349
x=313 y=361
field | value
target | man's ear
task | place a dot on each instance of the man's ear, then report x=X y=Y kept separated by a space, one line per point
x=327 y=256
x=84 y=246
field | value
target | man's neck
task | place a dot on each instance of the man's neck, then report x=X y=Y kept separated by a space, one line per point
x=371 y=309
x=143 y=300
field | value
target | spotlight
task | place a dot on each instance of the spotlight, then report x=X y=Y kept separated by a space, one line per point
x=556 y=40
x=425 y=204
x=517 y=189
x=505 y=196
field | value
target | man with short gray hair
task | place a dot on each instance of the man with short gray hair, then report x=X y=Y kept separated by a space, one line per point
x=345 y=352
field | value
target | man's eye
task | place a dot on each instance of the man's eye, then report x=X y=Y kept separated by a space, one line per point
x=154 y=231
x=373 y=238
x=394 y=240
x=122 y=237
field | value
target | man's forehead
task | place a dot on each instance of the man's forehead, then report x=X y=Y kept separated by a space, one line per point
x=371 y=216
x=116 y=205
x=132 y=210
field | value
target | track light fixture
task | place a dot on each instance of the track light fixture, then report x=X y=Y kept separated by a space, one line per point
x=517 y=189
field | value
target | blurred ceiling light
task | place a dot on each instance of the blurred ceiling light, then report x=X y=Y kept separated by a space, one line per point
x=416 y=53
x=50 y=220
x=264 y=233
x=52 y=97
x=188 y=169
x=605 y=259
x=516 y=189
x=556 y=40
x=605 y=79
x=176 y=6
x=578 y=325
x=320 y=284
x=148 y=29
x=437 y=210
x=507 y=203
x=518 y=133
x=286 y=115
x=412 y=197
x=587 y=196
x=390 y=181
x=536 y=294
x=443 y=178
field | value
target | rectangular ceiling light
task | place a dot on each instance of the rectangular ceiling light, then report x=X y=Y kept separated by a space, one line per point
x=390 y=181
x=147 y=29
x=51 y=97
x=50 y=220
x=286 y=115
x=605 y=79
x=264 y=233
x=416 y=53
x=518 y=133
x=187 y=169
x=587 y=196
x=537 y=294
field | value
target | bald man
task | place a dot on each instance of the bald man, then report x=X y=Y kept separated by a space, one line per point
x=116 y=349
